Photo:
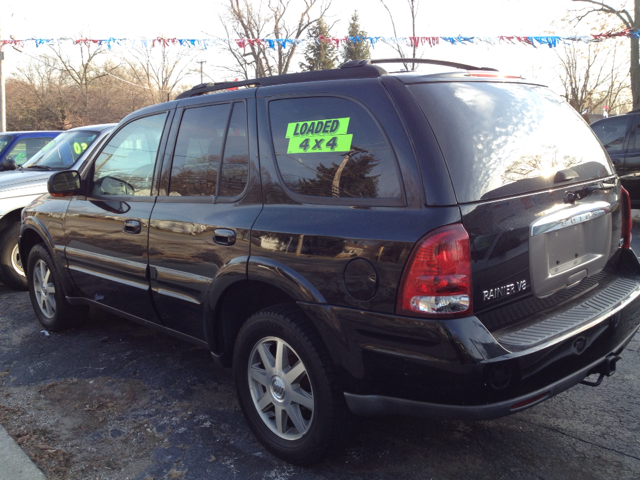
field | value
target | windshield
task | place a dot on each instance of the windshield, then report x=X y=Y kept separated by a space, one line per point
x=4 y=141
x=504 y=139
x=64 y=150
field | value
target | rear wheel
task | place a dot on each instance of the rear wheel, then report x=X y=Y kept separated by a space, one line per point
x=47 y=297
x=10 y=261
x=287 y=385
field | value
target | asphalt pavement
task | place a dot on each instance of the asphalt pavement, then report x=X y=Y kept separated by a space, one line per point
x=115 y=400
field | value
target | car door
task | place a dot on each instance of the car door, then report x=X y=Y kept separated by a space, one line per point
x=200 y=226
x=107 y=231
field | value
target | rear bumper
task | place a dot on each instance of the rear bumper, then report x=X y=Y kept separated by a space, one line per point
x=458 y=369
x=372 y=405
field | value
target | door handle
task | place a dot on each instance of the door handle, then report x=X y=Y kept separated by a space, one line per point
x=132 y=226
x=615 y=161
x=224 y=236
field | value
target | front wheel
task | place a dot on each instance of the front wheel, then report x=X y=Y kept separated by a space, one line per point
x=287 y=386
x=47 y=297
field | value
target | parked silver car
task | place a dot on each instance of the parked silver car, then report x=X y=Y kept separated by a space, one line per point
x=19 y=187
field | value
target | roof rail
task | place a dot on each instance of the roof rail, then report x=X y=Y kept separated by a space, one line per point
x=348 y=70
x=427 y=60
x=368 y=71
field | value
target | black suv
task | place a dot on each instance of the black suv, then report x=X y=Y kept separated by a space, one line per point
x=620 y=136
x=453 y=244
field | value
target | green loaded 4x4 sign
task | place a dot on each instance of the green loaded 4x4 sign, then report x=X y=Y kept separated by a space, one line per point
x=319 y=136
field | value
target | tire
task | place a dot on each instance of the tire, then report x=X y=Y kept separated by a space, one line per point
x=303 y=394
x=10 y=261
x=47 y=296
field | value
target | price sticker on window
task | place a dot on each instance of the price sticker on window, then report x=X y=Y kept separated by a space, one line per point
x=79 y=147
x=319 y=136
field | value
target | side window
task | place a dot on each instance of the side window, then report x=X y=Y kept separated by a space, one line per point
x=611 y=132
x=235 y=164
x=199 y=162
x=26 y=148
x=332 y=147
x=196 y=159
x=125 y=165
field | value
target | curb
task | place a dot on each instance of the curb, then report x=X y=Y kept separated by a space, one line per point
x=14 y=463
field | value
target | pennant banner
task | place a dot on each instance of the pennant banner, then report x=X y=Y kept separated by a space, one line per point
x=550 y=41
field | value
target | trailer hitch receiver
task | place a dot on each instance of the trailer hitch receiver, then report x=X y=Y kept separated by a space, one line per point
x=606 y=368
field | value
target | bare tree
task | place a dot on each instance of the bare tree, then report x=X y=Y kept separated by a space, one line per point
x=592 y=75
x=82 y=70
x=630 y=20
x=43 y=95
x=249 y=20
x=414 y=6
x=160 y=69
x=40 y=97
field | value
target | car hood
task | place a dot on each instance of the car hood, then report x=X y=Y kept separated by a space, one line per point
x=23 y=182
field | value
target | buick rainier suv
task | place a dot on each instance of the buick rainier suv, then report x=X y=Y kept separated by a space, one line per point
x=452 y=244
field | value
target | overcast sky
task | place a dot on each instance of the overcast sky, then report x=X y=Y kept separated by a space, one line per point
x=200 y=19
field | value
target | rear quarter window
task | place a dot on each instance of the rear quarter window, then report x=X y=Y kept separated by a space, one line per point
x=503 y=139
x=331 y=147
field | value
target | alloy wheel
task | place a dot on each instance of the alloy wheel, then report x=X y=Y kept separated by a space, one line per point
x=44 y=289
x=280 y=388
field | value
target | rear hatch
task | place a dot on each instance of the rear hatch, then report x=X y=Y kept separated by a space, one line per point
x=537 y=193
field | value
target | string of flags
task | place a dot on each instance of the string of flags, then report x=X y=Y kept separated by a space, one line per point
x=550 y=41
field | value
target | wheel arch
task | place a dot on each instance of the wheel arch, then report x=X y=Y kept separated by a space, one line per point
x=235 y=298
x=239 y=301
x=10 y=218
x=34 y=233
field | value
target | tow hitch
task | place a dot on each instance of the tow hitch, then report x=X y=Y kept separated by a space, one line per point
x=607 y=367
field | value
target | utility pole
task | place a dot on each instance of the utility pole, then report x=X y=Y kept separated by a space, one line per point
x=3 y=98
x=201 y=62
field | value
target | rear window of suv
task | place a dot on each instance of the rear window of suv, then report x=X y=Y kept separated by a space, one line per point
x=503 y=139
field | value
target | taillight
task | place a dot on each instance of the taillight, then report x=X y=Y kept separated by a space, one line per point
x=625 y=202
x=437 y=278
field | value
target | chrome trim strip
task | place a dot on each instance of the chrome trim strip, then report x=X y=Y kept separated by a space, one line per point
x=59 y=248
x=178 y=275
x=179 y=296
x=85 y=255
x=110 y=277
x=629 y=175
x=570 y=216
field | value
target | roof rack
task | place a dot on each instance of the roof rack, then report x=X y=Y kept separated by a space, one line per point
x=348 y=70
x=368 y=71
x=428 y=61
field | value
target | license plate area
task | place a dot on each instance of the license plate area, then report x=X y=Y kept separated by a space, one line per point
x=569 y=245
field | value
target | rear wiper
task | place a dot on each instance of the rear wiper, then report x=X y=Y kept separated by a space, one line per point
x=571 y=197
x=40 y=167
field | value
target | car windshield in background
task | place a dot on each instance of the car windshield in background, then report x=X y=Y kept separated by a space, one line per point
x=63 y=151
x=4 y=141
x=502 y=139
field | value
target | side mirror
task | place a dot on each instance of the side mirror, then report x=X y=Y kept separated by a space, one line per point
x=64 y=184
x=7 y=164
